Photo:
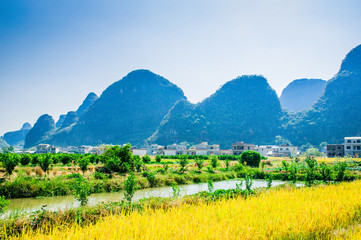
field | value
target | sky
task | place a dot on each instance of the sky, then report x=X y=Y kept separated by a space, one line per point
x=53 y=53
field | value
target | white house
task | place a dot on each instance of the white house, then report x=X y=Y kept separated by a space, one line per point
x=46 y=148
x=139 y=151
x=353 y=146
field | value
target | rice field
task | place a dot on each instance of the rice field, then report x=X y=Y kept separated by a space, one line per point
x=323 y=212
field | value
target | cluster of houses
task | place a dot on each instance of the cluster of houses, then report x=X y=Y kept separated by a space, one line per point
x=206 y=149
x=351 y=146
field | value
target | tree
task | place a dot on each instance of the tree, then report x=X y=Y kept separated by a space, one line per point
x=25 y=159
x=214 y=161
x=146 y=159
x=119 y=159
x=82 y=190
x=199 y=163
x=183 y=161
x=83 y=163
x=158 y=158
x=45 y=162
x=130 y=186
x=251 y=158
x=10 y=161
x=313 y=152
x=3 y=204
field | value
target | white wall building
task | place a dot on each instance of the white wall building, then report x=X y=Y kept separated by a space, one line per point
x=353 y=146
x=139 y=151
x=46 y=148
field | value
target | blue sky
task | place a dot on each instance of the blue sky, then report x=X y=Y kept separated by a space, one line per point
x=53 y=53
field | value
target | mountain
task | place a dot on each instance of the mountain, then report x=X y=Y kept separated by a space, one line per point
x=89 y=100
x=44 y=126
x=337 y=113
x=16 y=138
x=129 y=110
x=70 y=119
x=244 y=109
x=60 y=121
x=301 y=94
x=3 y=143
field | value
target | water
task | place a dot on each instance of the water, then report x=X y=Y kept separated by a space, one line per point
x=26 y=205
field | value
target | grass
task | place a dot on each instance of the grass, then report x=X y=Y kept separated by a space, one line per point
x=323 y=212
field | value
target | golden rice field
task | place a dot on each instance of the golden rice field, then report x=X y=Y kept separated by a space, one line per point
x=324 y=212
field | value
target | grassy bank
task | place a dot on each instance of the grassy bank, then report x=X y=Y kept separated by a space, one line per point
x=323 y=212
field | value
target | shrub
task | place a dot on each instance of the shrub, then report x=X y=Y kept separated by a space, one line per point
x=310 y=171
x=326 y=172
x=146 y=159
x=227 y=162
x=340 y=169
x=150 y=177
x=214 y=161
x=130 y=188
x=183 y=161
x=138 y=163
x=10 y=161
x=3 y=204
x=35 y=159
x=252 y=158
x=249 y=182
x=65 y=159
x=25 y=159
x=158 y=159
x=45 y=162
x=269 y=180
x=83 y=163
x=175 y=190
x=119 y=159
x=101 y=176
x=81 y=191
x=200 y=163
x=210 y=185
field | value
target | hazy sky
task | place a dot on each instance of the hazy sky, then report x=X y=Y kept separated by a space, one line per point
x=53 y=53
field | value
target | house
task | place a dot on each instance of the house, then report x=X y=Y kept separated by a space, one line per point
x=352 y=146
x=203 y=149
x=46 y=148
x=335 y=150
x=155 y=149
x=225 y=152
x=175 y=149
x=267 y=150
x=239 y=147
x=139 y=151
x=286 y=150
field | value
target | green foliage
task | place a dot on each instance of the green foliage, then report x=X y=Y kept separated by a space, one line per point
x=310 y=171
x=214 y=161
x=146 y=159
x=293 y=169
x=183 y=162
x=130 y=186
x=210 y=185
x=249 y=181
x=119 y=159
x=25 y=159
x=65 y=158
x=81 y=191
x=150 y=177
x=158 y=159
x=200 y=164
x=35 y=159
x=45 y=162
x=252 y=158
x=314 y=152
x=3 y=204
x=269 y=180
x=9 y=162
x=175 y=190
x=138 y=163
x=227 y=162
x=340 y=169
x=165 y=167
x=100 y=176
x=83 y=163
x=326 y=172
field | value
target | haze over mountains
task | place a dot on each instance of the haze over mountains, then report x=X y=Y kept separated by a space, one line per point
x=145 y=108
x=301 y=94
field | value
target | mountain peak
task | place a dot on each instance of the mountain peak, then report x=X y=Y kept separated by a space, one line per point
x=26 y=126
x=352 y=61
x=88 y=101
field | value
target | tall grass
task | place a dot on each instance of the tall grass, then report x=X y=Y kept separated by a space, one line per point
x=305 y=213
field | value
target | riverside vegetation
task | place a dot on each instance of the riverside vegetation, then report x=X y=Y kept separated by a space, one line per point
x=117 y=169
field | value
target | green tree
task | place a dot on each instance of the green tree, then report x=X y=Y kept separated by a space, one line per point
x=3 y=204
x=83 y=163
x=25 y=159
x=10 y=161
x=81 y=190
x=158 y=159
x=252 y=158
x=199 y=163
x=183 y=162
x=130 y=186
x=119 y=159
x=45 y=162
x=214 y=161
x=146 y=159
x=314 y=152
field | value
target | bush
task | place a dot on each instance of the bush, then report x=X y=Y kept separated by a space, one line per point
x=119 y=159
x=138 y=163
x=25 y=159
x=214 y=161
x=35 y=159
x=251 y=158
x=45 y=162
x=3 y=204
x=65 y=159
x=183 y=161
x=130 y=186
x=146 y=159
x=101 y=176
x=158 y=159
x=10 y=161
x=81 y=191
x=200 y=164
x=83 y=163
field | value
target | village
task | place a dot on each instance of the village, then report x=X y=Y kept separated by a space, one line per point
x=350 y=147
